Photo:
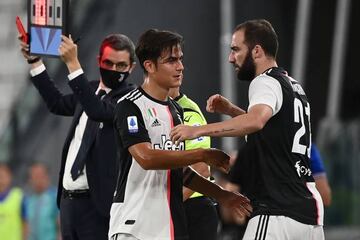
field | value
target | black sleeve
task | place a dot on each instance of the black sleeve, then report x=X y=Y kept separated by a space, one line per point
x=96 y=109
x=129 y=124
x=235 y=171
x=56 y=102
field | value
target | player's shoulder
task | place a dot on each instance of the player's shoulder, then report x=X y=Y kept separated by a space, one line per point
x=130 y=96
x=176 y=105
x=128 y=103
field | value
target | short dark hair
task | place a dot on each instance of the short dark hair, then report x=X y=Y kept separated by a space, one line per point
x=153 y=43
x=118 y=42
x=260 y=32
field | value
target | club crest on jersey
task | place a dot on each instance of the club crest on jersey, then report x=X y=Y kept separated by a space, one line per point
x=133 y=126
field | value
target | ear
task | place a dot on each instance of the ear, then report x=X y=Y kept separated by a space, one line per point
x=133 y=65
x=257 y=52
x=149 y=66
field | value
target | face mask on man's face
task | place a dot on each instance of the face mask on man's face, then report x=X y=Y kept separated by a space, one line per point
x=112 y=79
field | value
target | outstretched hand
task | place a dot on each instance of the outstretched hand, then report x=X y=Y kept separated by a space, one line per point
x=183 y=132
x=239 y=203
x=218 y=104
x=218 y=159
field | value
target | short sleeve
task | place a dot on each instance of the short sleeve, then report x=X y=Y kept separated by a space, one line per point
x=266 y=90
x=129 y=124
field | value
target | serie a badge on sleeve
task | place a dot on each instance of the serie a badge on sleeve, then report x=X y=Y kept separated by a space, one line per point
x=47 y=21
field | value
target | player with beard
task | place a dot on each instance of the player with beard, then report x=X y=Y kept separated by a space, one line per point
x=275 y=172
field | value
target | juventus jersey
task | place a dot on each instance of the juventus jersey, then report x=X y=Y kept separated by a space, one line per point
x=274 y=166
x=147 y=203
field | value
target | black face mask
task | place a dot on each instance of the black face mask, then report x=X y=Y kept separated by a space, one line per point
x=112 y=79
x=247 y=70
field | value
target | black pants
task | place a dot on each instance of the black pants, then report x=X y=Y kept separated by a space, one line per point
x=202 y=218
x=79 y=220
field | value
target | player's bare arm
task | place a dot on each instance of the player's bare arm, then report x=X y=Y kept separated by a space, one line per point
x=241 y=125
x=202 y=169
x=233 y=200
x=151 y=159
x=219 y=104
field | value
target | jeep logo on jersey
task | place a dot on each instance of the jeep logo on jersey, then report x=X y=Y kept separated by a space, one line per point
x=302 y=170
x=168 y=145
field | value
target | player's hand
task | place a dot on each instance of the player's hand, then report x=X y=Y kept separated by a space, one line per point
x=183 y=132
x=68 y=53
x=218 y=104
x=218 y=159
x=237 y=202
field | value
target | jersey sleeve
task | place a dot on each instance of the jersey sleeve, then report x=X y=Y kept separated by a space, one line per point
x=266 y=90
x=129 y=124
x=193 y=118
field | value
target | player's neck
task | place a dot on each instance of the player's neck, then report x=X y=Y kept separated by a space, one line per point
x=264 y=65
x=154 y=90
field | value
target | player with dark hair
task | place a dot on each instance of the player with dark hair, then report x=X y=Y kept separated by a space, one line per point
x=148 y=201
x=276 y=166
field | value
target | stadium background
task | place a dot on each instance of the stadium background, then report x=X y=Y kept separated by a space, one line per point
x=318 y=46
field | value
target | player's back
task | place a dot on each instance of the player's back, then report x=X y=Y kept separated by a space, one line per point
x=277 y=175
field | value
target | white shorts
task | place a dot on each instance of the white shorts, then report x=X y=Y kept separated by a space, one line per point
x=123 y=236
x=265 y=227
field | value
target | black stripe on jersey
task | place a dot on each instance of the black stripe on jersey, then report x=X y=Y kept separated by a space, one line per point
x=122 y=179
x=257 y=229
x=176 y=112
x=188 y=175
x=266 y=226
x=262 y=227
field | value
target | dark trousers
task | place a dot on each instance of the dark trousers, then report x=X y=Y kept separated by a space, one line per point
x=79 y=220
x=202 y=218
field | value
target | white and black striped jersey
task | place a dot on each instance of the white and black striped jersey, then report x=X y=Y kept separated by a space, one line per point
x=147 y=203
x=273 y=168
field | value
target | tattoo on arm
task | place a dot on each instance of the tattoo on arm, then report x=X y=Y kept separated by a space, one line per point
x=223 y=130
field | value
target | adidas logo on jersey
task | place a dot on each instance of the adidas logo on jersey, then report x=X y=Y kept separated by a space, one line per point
x=156 y=123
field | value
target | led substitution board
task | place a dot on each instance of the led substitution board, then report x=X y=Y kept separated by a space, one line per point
x=47 y=21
